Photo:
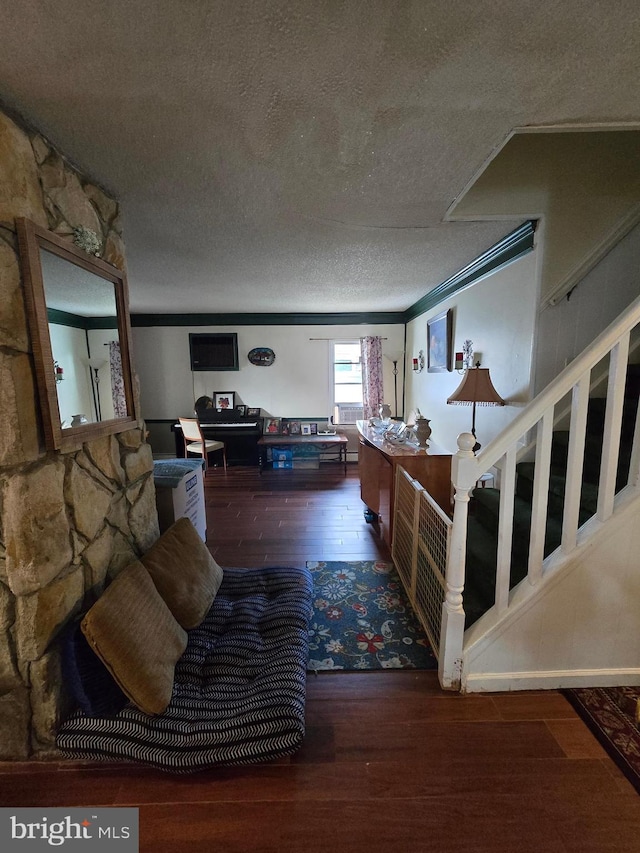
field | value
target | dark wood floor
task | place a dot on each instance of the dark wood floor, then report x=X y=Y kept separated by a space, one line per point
x=390 y=762
x=288 y=517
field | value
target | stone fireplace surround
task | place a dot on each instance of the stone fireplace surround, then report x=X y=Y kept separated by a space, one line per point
x=68 y=521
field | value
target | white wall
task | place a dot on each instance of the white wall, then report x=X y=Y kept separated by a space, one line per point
x=75 y=396
x=98 y=344
x=579 y=628
x=295 y=386
x=565 y=329
x=582 y=183
x=69 y=347
x=498 y=314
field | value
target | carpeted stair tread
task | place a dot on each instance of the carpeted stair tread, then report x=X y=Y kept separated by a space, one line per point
x=482 y=545
x=597 y=409
x=592 y=454
x=480 y=581
x=557 y=484
x=487 y=508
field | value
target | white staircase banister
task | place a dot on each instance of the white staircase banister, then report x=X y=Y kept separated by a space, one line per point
x=547 y=539
x=558 y=387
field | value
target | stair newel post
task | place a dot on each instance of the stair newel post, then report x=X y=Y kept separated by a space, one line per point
x=464 y=474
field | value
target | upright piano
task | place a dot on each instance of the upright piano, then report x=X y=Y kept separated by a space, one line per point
x=239 y=433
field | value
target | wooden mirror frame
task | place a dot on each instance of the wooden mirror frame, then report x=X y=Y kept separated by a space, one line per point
x=32 y=238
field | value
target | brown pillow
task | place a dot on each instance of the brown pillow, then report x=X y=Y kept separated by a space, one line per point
x=133 y=633
x=185 y=573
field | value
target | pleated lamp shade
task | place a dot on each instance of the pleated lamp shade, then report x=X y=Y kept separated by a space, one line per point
x=476 y=389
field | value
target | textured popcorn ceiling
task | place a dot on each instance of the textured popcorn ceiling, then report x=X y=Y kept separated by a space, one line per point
x=301 y=155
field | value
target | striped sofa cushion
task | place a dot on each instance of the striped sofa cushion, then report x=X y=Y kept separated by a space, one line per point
x=239 y=690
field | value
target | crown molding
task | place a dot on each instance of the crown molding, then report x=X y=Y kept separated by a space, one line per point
x=510 y=248
x=75 y=321
x=281 y=319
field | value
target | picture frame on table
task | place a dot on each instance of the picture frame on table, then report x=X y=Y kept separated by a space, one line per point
x=241 y=410
x=272 y=426
x=253 y=411
x=224 y=400
x=305 y=429
x=294 y=427
x=440 y=342
x=314 y=428
x=284 y=427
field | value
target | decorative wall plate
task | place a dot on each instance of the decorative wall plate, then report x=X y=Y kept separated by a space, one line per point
x=262 y=356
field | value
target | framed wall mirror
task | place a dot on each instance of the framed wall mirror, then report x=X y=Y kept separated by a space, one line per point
x=78 y=313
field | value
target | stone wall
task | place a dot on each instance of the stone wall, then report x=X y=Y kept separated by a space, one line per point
x=68 y=521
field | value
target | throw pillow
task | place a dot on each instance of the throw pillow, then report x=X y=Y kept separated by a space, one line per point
x=185 y=573
x=133 y=633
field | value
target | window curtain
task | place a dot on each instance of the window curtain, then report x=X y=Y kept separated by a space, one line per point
x=117 y=381
x=372 y=390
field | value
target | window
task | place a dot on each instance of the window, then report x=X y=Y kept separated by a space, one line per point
x=346 y=382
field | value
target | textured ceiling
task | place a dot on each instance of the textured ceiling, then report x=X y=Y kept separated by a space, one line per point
x=301 y=155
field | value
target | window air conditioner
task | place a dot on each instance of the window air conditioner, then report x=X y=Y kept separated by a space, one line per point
x=349 y=414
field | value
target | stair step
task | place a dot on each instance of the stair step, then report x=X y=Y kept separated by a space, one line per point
x=632 y=388
x=592 y=454
x=487 y=509
x=557 y=483
x=598 y=405
x=482 y=550
x=480 y=581
x=590 y=475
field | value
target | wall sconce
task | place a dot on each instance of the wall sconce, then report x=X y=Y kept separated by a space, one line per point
x=464 y=360
x=58 y=372
x=418 y=363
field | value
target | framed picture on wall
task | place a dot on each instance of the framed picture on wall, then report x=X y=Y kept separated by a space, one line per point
x=223 y=400
x=439 y=342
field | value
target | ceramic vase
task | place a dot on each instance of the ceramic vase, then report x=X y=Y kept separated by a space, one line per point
x=423 y=431
x=385 y=412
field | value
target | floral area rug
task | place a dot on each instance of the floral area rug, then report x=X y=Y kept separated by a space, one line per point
x=363 y=620
x=612 y=715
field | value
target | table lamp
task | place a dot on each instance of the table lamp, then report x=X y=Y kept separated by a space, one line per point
x=476 y=389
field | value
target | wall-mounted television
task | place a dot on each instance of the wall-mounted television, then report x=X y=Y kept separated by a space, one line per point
x=214 y=351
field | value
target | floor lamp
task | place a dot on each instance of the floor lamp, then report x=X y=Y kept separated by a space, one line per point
x=94 y=365
x=476 y=389
x=394 y=358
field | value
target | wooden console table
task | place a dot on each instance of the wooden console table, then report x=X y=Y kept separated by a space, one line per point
x=336 y=443
x=377 y=463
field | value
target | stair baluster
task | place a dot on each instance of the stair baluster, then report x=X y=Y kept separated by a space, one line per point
x=612 y=427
